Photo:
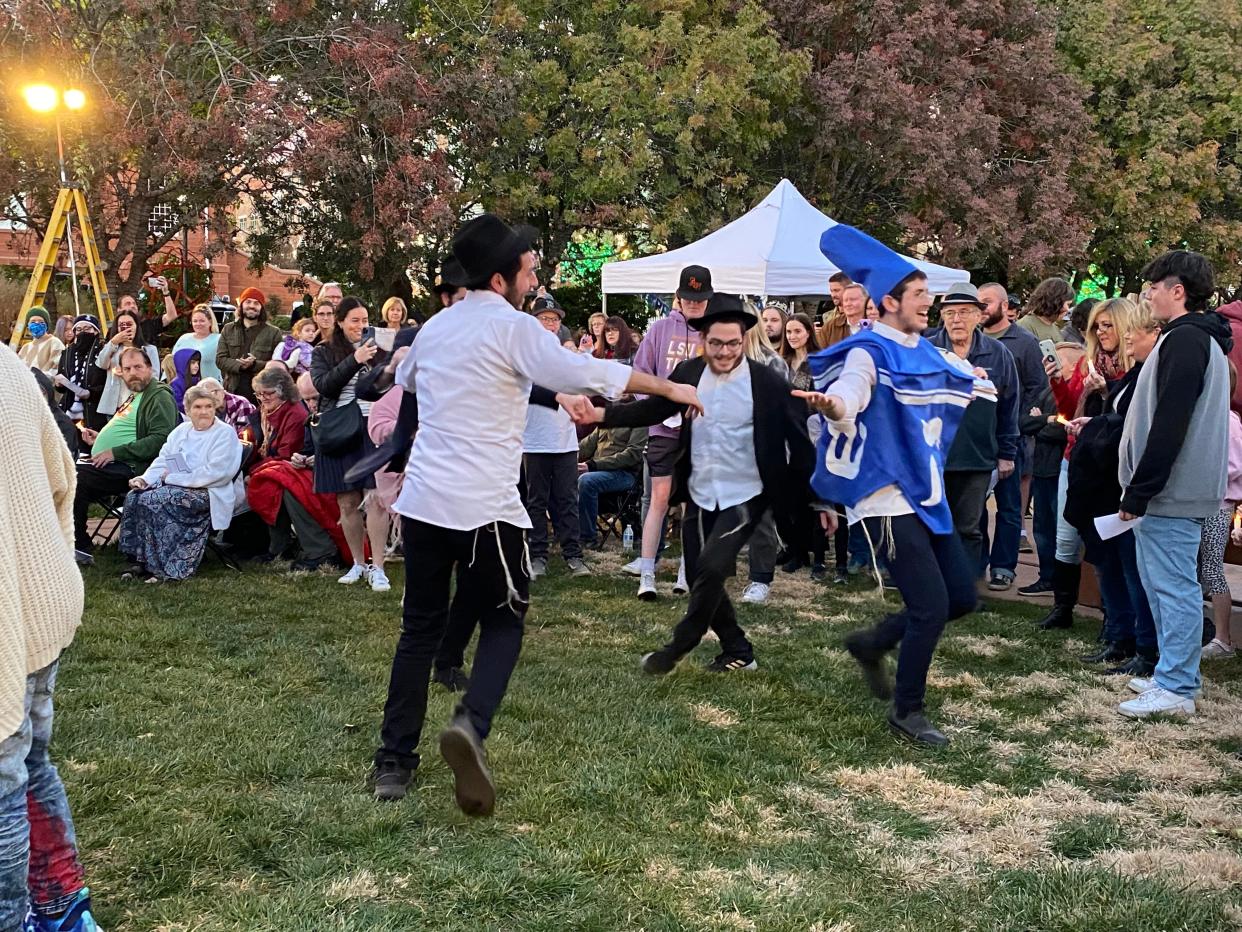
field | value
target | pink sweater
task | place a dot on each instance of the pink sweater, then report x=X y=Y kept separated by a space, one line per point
x=1233 y=483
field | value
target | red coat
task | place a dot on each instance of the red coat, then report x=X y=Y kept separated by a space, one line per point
x=288 y=428
x=1233 y=314
x=272 y=478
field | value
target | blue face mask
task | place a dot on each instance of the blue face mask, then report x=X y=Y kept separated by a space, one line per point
x=37 y=328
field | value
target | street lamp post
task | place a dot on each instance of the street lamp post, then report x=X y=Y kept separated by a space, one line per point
x=43 y=98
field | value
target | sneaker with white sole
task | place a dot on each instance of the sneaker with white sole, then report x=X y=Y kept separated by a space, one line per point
x=1157 y=701
x=1141 y=684
x=1216 y=649
x=379 y=579
x=680 y=587
x=633 y=568
x=647 y=587
x=756 y=593
x=356 y=572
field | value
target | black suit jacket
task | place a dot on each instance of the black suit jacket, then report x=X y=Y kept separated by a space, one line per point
x=783 y=451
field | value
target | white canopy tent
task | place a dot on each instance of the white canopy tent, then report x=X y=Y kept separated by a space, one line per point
x=771 y=250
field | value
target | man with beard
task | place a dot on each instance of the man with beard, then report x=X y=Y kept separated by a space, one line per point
x=459 y=502
x=1023 y=346
x=246 y=344
x=126 y=445
x=892 y=404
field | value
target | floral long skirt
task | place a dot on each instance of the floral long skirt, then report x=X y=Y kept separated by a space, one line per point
x=165 y=529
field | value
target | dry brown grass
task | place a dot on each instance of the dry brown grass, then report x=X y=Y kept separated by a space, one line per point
x=709 y=714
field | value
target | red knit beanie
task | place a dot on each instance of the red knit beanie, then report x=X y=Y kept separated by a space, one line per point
x=251 y=293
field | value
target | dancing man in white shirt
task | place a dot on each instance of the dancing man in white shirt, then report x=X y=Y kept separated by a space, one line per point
x=893 y=403
x=749 y=452
x=459 y=501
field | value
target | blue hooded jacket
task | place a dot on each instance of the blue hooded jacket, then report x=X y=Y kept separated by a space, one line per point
x=183 y=380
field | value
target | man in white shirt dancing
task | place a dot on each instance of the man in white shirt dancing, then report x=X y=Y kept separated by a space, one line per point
x=893 y=403
x=460 y=502
x=748 y=453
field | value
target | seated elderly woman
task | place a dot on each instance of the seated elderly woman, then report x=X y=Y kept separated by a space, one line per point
x=190 y=488
x=279 y=426
x=234 y=410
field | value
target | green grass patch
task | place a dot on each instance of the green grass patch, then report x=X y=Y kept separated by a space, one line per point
x=215 y=737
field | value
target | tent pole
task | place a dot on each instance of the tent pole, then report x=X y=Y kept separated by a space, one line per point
x=604 y=299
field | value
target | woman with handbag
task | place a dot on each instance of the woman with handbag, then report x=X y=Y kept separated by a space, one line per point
x=341 y=439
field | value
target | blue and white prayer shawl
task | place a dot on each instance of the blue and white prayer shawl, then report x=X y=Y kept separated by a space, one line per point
x=902 y=435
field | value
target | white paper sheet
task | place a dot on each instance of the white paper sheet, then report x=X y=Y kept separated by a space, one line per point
x=1110 y=526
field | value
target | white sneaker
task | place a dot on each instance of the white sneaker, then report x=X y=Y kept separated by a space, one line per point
x=634 y=567
x=756 y=592
x=680 y=587
x=1216 y=649
x=647 y=587
x=379 y=580
x=1157 y=701
x=1141 y=684
x=356 y=573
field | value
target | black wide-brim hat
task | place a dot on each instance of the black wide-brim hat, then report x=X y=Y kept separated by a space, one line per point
x=487 y=245
x=451 y=276
x=724 y=308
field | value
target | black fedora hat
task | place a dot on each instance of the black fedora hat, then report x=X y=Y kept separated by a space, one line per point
x=695 y=283
x=451 y=277
x=487 y=245
x=725 y=308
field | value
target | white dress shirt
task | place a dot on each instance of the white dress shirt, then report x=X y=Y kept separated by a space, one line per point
x=723 y=469
x=472 y=368
x=549 y=430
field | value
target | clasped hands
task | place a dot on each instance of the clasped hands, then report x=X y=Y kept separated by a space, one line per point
x=580 y=408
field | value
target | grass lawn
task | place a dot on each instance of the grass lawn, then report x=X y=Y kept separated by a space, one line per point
x=215 y=736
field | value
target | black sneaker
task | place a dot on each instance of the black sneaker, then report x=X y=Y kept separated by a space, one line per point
x=915 y=727
x=727 y=663
x=1000 y=582
x=793 y=565
x=841 y=577
x=454 y=679
x=1039 y=587
x=390 y=779
x=819 y=572
x=659 y=662
x=1113 y=652
x=871 y=663
x=83 y=558
x=462 y=750
x=1136 y=666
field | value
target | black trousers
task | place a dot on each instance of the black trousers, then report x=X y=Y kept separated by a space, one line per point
x=96 y=483
x=967 y=494
x=493 y=577
x=711 y=541
x=937 y=585
x=552 y=489
x=293 y=519
x=461 y=625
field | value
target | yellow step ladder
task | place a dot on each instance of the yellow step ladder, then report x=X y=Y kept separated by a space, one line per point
x=69 y=199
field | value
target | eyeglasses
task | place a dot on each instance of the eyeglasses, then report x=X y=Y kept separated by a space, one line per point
x=724 y=344
x=1102 y=325
x=958 y=313
x=259 y=393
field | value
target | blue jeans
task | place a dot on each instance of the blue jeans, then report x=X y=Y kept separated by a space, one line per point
x=1044 y=523
x=1118 y=567
x=1004 y=549
x=591 y=485
x=38 y=848
x=1069 y=543
x=1168 y=561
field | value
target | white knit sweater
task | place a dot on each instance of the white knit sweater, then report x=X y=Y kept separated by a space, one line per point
x=40 y=586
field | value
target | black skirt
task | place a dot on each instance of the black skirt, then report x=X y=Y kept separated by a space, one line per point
x=330 y=469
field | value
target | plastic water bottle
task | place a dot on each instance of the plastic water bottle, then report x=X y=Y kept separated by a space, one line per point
x=627 y=539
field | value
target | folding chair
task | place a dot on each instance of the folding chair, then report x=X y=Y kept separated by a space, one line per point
x=616 y=511
x=103 y=533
